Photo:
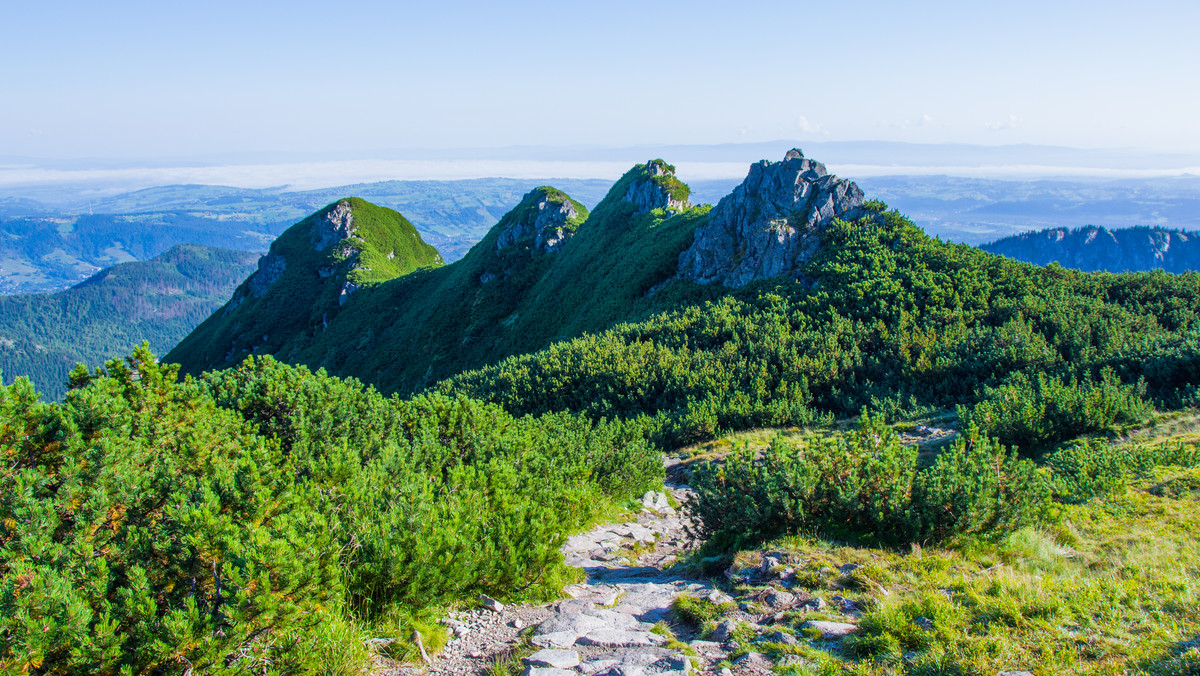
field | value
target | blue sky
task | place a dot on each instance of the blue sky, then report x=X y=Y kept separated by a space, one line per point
x=134 y=79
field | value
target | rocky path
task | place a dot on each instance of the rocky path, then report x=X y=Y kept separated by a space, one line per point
x=603 y=627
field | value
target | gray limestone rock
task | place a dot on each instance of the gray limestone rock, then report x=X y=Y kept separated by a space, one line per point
x=553 y=657
x=830 y=629
x=545 y=223
x=270 y=268
x=337 y=225
x=723 y=630
x=649 y=191
x=770 y=225
x=557 y=639
x=547 y=671
x=616 y=638
x=576 y=623
x=491 y=603
x=812 y=606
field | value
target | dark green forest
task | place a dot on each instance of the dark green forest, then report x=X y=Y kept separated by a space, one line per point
x=42 y=336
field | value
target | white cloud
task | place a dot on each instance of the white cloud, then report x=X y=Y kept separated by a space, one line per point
x=1011 y=123
x=804 y=125
x=925 y=119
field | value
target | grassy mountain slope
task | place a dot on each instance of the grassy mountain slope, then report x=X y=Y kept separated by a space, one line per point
x=498 y=300
x=300 y=286
x=1093 y=248
x=43 y=336
x=890 y=319
x=886 y=317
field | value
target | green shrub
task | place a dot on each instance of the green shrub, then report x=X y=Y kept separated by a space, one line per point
x=1032 y=413
x=145 y=530
x=865 y=485
x=148 y=525
x=1090 y=468
x=698 y=612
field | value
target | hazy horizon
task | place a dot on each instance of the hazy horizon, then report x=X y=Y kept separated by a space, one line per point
x=41 y=178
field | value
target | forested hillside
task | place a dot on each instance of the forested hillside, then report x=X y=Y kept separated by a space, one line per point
x=42 y=336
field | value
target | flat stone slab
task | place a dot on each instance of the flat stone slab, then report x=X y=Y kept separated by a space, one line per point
x=552 y=657
x=558 y=639
x=615 y=638
x=830 y=629
x=548 y=671
x=577 y=623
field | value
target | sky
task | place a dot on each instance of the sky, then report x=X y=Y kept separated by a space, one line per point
x=127 y=79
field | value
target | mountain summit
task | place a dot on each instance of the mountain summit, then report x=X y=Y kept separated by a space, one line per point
x=769 y=225
x=547 y=271
x=311 y=271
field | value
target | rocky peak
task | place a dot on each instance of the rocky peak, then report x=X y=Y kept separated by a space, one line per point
x=770 y=224
x=335 y=226
x=657 y=188
x=545 y=215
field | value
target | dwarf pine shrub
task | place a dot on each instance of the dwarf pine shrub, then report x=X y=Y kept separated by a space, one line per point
x=865 y=485
x=154 y=526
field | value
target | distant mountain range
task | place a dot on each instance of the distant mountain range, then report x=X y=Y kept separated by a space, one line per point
x=160 y=300
x=1094 y=248
x=43 y=248
x=54 y=242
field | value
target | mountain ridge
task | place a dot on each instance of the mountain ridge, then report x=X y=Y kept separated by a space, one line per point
x=1094 y=248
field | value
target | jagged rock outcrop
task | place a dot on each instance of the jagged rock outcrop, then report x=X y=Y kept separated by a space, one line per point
x=545 y=215
x=769 y=225
x=657 y=188
x=336 y=226
x=1093 y=249
x=270 y=269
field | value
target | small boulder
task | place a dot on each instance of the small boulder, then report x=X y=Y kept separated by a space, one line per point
x=831 y=629
x=491 y=603
x=781 y=637
x=813 y=605
x=755 y=662
x=780 y=599
x=723 y=630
